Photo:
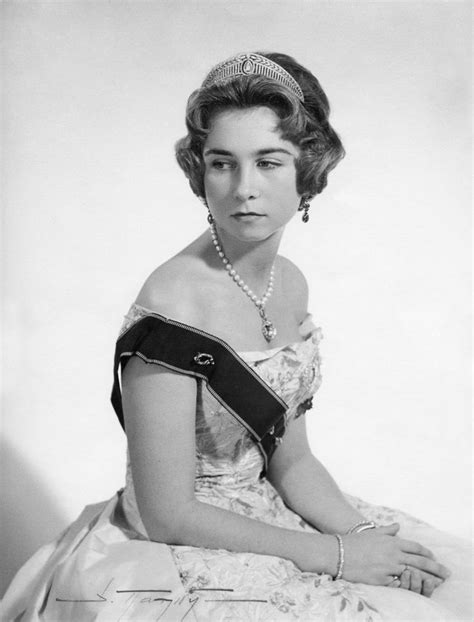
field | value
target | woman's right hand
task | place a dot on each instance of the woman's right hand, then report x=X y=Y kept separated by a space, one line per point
x=377 y=556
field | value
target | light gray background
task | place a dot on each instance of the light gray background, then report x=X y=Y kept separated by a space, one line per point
x=94 y=97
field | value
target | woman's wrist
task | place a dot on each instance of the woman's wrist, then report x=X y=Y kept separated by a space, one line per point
x=342 y=524
x=360 y=526
x=319 y=553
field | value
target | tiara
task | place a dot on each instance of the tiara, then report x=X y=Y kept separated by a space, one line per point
x=252 y=64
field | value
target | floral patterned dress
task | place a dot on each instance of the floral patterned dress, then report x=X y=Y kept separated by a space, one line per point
x=105 y=568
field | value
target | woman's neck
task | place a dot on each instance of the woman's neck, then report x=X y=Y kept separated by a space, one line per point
x=253 y=261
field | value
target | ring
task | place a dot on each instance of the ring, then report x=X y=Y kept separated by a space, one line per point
x=395 y=582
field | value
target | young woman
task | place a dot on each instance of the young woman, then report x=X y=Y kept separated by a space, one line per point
x=226 y=514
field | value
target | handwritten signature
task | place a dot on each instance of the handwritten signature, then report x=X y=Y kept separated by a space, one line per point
x=181 y=606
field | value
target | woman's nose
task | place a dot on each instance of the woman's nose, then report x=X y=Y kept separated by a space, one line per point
x=246 y=186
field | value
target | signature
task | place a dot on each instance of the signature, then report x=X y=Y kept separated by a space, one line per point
x=163 y=598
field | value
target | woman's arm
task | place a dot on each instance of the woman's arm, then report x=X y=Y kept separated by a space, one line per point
x=299 y=477
x=306 y=486
x=159 y=408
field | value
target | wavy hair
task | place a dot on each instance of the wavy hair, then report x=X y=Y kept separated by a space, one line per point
x=306 y=124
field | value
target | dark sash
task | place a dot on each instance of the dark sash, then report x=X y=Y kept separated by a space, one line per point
x=193 y=352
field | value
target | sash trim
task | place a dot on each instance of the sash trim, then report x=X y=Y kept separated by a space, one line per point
x=196 y=375
x=218 y=340
x=235 y=385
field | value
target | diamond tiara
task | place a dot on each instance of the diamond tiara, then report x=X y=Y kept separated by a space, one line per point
x=252 y=64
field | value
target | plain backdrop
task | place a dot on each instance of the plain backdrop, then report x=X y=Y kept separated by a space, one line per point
x=94 y=99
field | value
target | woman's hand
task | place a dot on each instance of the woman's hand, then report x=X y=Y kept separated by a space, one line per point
x=379 y=557
x=418 y=581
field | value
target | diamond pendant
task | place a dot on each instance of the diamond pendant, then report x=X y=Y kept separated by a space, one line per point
x=268 y=329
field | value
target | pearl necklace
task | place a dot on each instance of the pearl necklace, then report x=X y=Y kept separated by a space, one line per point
x=268 y=329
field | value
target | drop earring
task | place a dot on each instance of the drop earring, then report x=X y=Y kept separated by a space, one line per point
x=210 y=218
x=304 y=207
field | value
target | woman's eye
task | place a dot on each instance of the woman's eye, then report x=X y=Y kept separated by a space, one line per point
x=267 y=164
x=221 y=165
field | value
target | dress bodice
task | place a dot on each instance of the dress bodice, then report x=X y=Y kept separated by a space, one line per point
x=226 y=454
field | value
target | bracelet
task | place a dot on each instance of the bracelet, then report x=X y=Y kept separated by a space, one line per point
x=340 y=563
x=361 y=526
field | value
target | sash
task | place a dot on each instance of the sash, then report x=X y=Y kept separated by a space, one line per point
x=188 y=350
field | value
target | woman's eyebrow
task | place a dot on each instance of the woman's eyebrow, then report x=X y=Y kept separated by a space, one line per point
x=274 y=150
x=260 y=152
x=217 y=152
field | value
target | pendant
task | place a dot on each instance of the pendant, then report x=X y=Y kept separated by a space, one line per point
x=268 y=329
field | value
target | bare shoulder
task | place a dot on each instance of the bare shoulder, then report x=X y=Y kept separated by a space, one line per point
x=295 y=286
x=171 y=289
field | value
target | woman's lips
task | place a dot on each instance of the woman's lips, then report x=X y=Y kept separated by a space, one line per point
x=247 y=216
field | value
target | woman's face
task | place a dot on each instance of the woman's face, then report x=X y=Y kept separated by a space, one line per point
x=250 y=174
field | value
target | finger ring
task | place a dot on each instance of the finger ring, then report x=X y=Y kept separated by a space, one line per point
x=395 y=581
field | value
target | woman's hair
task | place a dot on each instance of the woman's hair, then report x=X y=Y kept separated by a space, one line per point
x=305 y=124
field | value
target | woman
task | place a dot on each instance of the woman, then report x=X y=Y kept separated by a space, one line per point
x=226 y=514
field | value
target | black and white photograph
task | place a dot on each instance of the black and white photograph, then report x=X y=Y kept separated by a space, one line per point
x=236 y=311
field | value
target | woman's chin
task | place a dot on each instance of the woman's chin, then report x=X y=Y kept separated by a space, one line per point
x=248 y=232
